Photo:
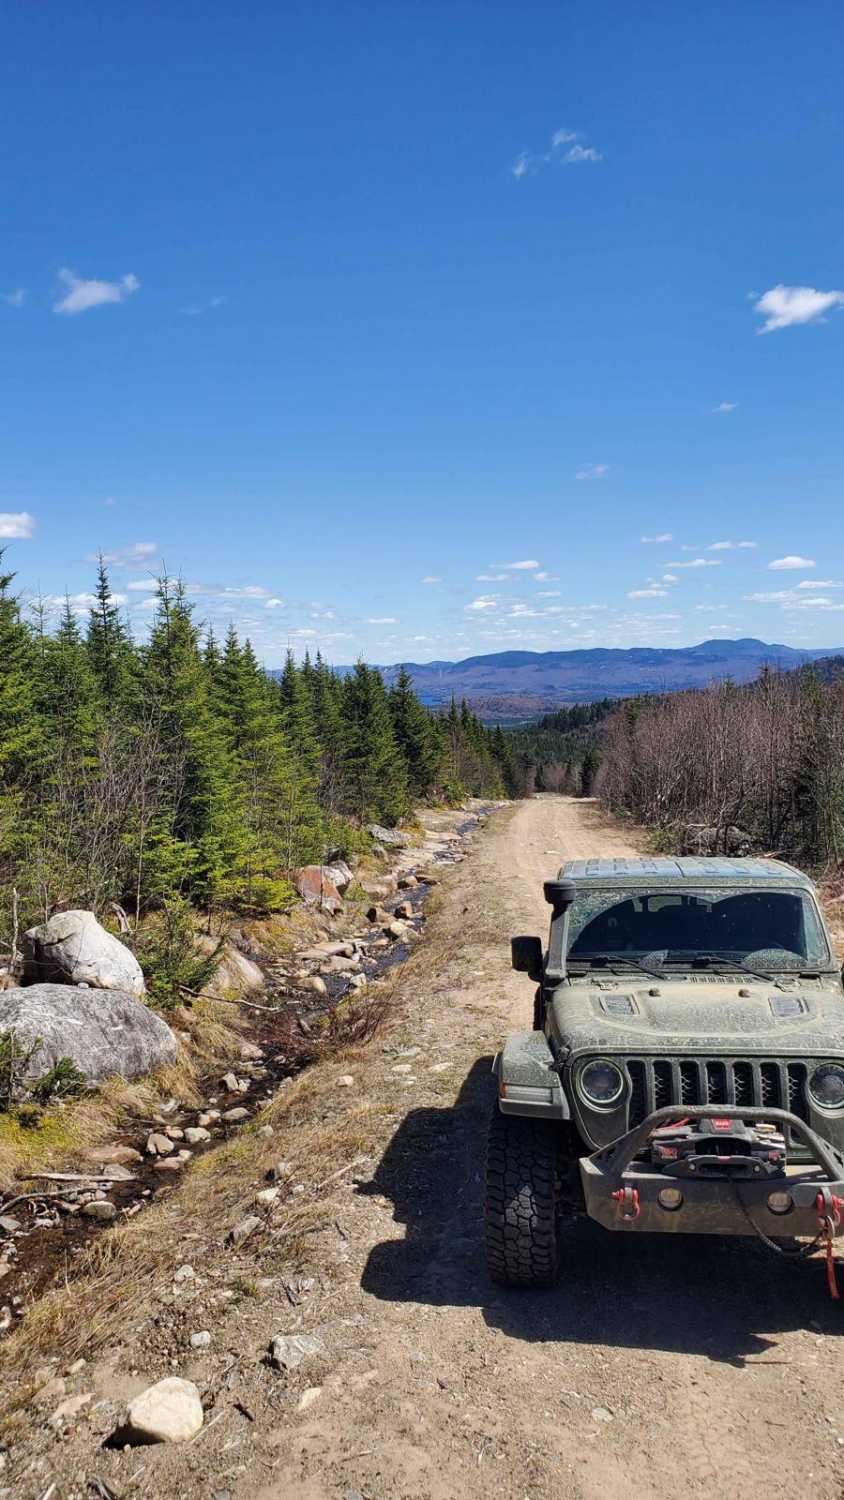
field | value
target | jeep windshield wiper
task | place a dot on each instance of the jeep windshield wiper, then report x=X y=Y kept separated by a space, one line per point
x=622 y=961
x=726 y=960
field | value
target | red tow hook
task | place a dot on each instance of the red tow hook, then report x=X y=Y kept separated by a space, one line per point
x=829 y=1217
x=627 y=1199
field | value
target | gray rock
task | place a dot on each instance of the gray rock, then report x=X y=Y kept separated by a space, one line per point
x=67 y=1410
x=339 y=874
x=196 y=1134
x=389 y=836
x=9 y=1225
x=72 y=948
x=168 y=1412
x=240 y=1232
x=236 y=1115
x=200 y=1340
x=184 y=1273
x=159 y=1144
x=287 y=1351
x=103 y=1032
x=312 y=984
x=101 y=1210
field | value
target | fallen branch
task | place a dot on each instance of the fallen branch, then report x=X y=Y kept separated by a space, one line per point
x=268 y=1010
x=71 y=1177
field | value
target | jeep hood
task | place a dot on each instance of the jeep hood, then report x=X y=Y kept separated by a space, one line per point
x=738 y=1016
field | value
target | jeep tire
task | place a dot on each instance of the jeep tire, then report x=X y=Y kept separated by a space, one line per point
x=522 y=1201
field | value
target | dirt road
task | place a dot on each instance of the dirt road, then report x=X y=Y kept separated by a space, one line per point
x=659 y=1368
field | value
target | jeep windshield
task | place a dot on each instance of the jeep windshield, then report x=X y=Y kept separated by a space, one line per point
x=772 y=931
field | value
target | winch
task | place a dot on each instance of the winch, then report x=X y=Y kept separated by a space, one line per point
x=718 y=1147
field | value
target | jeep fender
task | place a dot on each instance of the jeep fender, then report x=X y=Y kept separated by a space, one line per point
x=528 y=1082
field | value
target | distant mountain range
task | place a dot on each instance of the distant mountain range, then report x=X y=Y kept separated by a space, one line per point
x=513 y=685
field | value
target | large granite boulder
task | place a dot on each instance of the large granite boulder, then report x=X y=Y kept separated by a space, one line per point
x=392 y=837
x=72 y=948
x=103 y=1032
x=317 y=889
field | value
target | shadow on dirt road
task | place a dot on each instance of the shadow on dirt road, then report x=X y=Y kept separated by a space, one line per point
x=726 y=1299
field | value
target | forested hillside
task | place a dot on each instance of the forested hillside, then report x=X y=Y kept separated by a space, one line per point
x=560 y=751
x=179 y=768
x=767 y=759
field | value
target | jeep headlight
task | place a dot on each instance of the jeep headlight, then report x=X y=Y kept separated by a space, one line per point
x=602 y=1083
x=826 y=1086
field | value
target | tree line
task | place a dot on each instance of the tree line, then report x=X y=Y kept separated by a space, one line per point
x=767 y=758
x=559 y=752
x=133 y=772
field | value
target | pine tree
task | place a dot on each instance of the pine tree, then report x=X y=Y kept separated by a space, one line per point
x=109 y=647
x=414 y=735
x=374 y=773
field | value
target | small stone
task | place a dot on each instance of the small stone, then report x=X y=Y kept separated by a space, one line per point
x=232 y=1084
x=9 y=1224
x=168 y=1164
x=174 y=1133
x=264 y=1132
x=439 y=1067
x=601 y=1414
x=396 y=929
x=403 y=1068
x=279 y=1171
x=208 y=1117
x=250 y=1053
x=404 y=909
x=77 y=1366
x=240 y=1232
x=312 y=985
x=158 y=1144
x=168 y=1412
x=287 y=1351
x=102 y=1211
x=196 y=1134
x=200 y=1340
x=345 y=1081
x=267 y=1197
x=114 y=1171
x=234 y=1116
x=184 y=1273
x=308 y=1397
x=69 y=1409
x=123 y=1155
x=408 y=883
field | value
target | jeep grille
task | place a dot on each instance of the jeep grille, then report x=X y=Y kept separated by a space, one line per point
x=657 y=1082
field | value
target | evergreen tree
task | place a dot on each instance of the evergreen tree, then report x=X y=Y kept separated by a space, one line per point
x=375 y=777
x=414 y=735
x=109 y=647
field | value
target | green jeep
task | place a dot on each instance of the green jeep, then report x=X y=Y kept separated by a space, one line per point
x=685 y=1073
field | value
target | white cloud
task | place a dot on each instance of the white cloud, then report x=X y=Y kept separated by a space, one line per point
x=16 y=298
x=548 y=594
x=820 y=583
x=432 y=578
x=730 y=546
x=725 y=406
x=698 y=562
x=81 y=295
x=522 y=567
x=273 y=603
x=791 y=564
x=16 y=525
x=662 y=536
x=196 y=309
x=492 y=578
x=125 y=557
x=543 y=577
x=486 y=602
x=593 y=471
x=647 y=593
x=142 y=585
x=670 y=578
x=382 y=620
x=786 y=306
x=566 y=149
x=582 y=153
x=248 y=591
x=79 y=603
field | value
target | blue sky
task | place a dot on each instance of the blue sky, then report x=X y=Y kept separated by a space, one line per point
x=396 y=327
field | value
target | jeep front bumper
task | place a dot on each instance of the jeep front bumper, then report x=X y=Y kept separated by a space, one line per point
x=622 y=1193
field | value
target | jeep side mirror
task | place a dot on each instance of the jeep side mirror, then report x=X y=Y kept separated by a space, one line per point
x=526 y=955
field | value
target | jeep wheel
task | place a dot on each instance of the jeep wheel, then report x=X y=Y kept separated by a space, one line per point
x=522 y=1201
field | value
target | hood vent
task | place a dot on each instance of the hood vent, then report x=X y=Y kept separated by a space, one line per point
x=787 y=1007
x=618 y=1005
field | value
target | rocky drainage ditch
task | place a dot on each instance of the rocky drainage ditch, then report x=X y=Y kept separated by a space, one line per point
x=49 y=1222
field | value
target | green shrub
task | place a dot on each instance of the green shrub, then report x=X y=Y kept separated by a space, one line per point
x=169 y=958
